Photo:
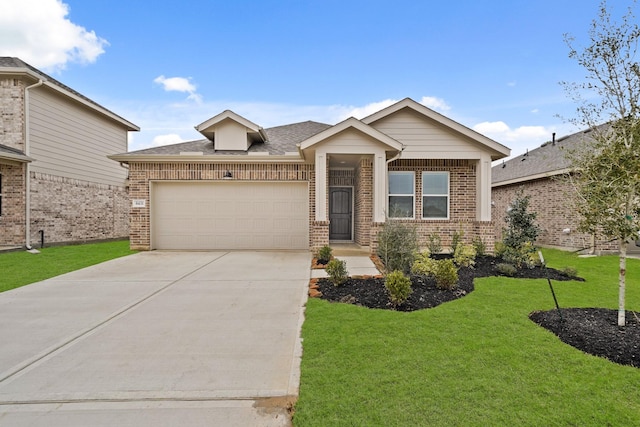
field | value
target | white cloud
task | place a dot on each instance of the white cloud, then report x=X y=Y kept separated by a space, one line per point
x=167 y=139
x=511 y=84
x=434 y=103
x=367 y=110
x=518 y=139
x=535 y=111
x=179 y=84
x=39 y=32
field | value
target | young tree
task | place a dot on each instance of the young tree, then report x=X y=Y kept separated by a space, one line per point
x=607 y=165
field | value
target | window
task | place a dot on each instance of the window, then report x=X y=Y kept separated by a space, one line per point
x=435 y=195
x=401 y=195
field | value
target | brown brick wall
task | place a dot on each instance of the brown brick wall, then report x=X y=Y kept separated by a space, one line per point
x=551 y=199
x=363 y=202
x=140 y=174
x=12 y=113
x=70 y=210
x=12 y=217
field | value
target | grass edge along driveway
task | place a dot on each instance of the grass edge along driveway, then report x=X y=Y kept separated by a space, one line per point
x=478 y=360
x=22 y=268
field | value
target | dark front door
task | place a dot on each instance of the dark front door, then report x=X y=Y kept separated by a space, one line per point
x=340 y=213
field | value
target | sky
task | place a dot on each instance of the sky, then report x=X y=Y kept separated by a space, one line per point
x=167 y=66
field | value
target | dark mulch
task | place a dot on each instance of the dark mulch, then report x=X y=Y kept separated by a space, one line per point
x=595 y=331
x=372 y=293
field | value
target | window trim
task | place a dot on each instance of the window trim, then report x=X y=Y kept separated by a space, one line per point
x=448 y=195
x=412 y=195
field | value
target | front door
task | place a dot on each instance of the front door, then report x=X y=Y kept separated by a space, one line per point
x=340 y=213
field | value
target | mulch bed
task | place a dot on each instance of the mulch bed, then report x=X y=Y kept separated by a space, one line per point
x=370 y=292
x=595 y=331
x=592 y=330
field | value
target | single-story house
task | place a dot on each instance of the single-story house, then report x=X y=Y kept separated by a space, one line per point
x=304 y=185
x=56 y=181
x=539 y=174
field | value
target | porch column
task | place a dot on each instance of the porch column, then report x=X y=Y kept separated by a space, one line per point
x=379 y=186
x=483 y=189
x=321 y=186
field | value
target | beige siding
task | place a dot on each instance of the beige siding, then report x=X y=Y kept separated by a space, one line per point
x=350 y=141
x=230 y=135
x=425 y=139
x=70 y=141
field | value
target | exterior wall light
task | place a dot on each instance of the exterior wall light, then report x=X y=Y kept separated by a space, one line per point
x=227 y=175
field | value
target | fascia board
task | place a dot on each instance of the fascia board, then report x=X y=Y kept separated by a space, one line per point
x=531 y=177
x=228 y=114
x=124 y=158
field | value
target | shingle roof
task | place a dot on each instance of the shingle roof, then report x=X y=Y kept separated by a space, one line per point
x=12 y=62
x=280 y=139
x=546 y=159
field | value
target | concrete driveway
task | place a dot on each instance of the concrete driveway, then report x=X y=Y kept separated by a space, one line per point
x=155 y=339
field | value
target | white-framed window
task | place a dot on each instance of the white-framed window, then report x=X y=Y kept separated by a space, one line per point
x=401 y=195
x=435 y=195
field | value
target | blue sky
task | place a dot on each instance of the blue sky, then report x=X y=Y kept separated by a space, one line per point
x=167 y=66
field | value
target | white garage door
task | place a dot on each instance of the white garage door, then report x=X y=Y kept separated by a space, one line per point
x=230 y=215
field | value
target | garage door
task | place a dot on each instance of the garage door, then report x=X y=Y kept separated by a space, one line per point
x=230 y=215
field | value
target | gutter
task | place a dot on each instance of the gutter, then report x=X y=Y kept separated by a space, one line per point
x=27 y=147
x=195 y=158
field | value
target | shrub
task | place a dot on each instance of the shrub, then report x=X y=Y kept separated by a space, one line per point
x=446 y=274
x=570 y=272
x=434 y=243
x=337 y=271
x=399 y=287
x=522 y=256
x=506 y=269
x=479 y=245
x=464 y=255
x=424 y=265
x=456 y=239
x=397 y=246
x=521 y=226
x=324 y=254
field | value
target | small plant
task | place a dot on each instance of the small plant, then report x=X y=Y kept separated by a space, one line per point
x=424 y=265
x=479 y=245
x=434 y=243
x=324 y=254
x=464 y=255
x=337 y=271
x=446 y=274
x=456 y=239
x=522 y=256
x=506 y=269
x=570 y=272
x=397 y=246
x=399 y=287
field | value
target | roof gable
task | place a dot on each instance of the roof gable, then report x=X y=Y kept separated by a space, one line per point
x=351 y=123
x=496 y=149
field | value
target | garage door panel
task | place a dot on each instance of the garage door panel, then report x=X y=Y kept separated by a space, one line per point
x=230 y=215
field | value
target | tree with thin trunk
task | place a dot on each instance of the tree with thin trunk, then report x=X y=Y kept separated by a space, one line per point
x=606 y=165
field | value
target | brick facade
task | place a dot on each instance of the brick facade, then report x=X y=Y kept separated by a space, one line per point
x=363 y=202
x=12 y=219
x=70 y=210
x=12 y=113
x=551 y=199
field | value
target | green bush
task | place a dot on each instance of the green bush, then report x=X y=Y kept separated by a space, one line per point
x=423 y=265
x=521 y=226
x=337 y=271
x=456 y=239
x=399 y=287
x=397 y=246
x=506 y=269
x=522 y=256
x=434 y=243
x=324 y=254
x=570 y=272
x=446 y=274
x=464 y=255
x=479 y=245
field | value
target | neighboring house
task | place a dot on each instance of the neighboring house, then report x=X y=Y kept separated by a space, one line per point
x=55 y=177
x=540 y=174
x=304 y=185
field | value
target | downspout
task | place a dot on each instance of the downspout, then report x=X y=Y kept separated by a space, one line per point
x=27 y=149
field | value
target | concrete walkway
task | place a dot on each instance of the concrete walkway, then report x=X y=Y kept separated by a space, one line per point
x=156 y=339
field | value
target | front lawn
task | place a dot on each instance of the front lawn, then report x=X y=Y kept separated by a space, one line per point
x=478 y=360
x=22 y=268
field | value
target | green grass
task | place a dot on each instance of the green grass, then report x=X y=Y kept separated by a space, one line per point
x=476 y=361
x=22 y=268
